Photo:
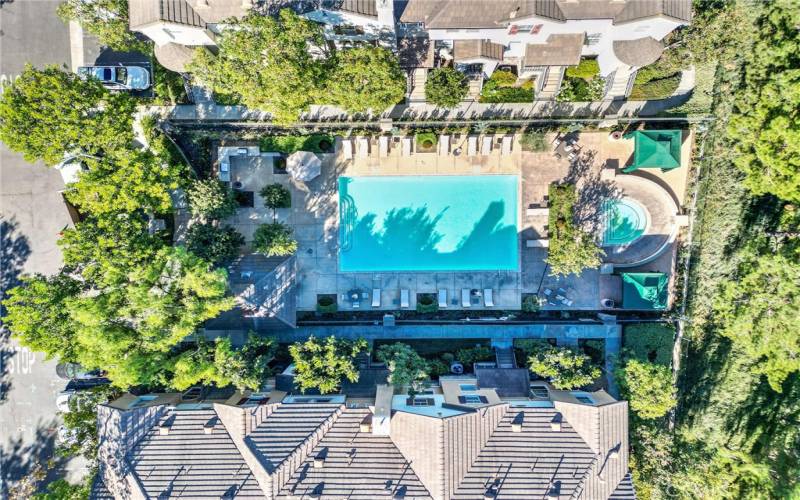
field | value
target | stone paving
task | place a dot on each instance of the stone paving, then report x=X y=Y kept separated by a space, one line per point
x=314 y=217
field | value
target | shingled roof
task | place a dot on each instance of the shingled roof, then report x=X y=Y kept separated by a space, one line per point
x=464 y=50
x=144 y=12
x=498 y=13
x=294 y=449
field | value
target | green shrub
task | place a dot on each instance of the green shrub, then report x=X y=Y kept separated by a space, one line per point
x=595 y=349
x=446 y=87
x=648 y=388
x=503 y=78
x=326 y=304
x=211 y=199
x=655 y=89
x=585 y=70
x=534 y=140
x=288 y=144
x=474 y=355
x=564 y=367
x=530 y=304
x=649 y=342
x=218 y=245
x=426 y=140
x=571 y=249
x=274 y=240
x=276 y=196
x=427 y=304
x=437 y=368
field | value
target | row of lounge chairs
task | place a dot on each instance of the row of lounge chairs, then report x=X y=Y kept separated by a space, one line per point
x=360 y=147
x=466 y=298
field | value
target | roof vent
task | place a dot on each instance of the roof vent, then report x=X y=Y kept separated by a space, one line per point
x=163 y=429
x=516 y=424
x=366 y=424
x=208 y=427
x=613 y=454
x=319 y=460
x=555 y=424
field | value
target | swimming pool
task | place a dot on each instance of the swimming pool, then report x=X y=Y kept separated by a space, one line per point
x=428 y=223
x=625 y=221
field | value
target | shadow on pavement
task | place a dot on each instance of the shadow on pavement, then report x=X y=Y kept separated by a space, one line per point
x=14 y=251
x=24 y=466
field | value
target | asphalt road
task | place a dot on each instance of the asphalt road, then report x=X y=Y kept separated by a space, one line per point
x=31 y=215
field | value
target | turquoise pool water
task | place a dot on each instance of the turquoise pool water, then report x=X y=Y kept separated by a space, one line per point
x=625 y=221
x=428 y=223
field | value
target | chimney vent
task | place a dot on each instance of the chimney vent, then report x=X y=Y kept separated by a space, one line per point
x=163 y=429
x=613 y=453
x=319 y=462
x=555 y=424
x=516 y=424
x=208 y=427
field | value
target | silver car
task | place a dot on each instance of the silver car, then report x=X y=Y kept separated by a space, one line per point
x=118 y=77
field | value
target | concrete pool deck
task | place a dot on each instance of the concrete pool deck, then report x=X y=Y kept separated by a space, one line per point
x=314 y=218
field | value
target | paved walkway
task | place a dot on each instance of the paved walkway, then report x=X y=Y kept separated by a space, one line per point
x=465 y=111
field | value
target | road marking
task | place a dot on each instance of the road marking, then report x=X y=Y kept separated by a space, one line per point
x=18 y=360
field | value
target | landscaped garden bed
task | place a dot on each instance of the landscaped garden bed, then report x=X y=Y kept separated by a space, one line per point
x=441 y=354
x=427 y=303
x=426 y=142
x=326 y=303
x=502 y=87
x=650 y=342
x=582 y=82
x=660 y=79
x=288 y=144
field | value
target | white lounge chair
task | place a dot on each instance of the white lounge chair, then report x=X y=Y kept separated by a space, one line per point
x=542 y=243
x=533 y=212
x=383 y=144
x=376 y=297
x=488 y=299
x=404 y=298
x=406 y=151
x=444 y=145
x=472 y=145
x=442 y=298
x=465 y=297
x=486 y=145
x=363 y=147
x=356 y=304
x=347 y=148
x=506 y=146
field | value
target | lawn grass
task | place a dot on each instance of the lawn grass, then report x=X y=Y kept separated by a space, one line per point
x=433 y=348
x=288 y=144
x=660 y=88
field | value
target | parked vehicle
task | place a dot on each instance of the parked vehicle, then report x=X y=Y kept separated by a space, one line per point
x=74 y=371
x=118 y=77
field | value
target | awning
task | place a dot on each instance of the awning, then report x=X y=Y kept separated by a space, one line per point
x=655 y=149
x=644 y=290
x=303 y=165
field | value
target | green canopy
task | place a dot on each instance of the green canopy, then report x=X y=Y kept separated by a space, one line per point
x=655 y=149
x=644 y=290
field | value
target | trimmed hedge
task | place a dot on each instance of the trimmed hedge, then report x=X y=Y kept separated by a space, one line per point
x=650 y=342
x=288 y=144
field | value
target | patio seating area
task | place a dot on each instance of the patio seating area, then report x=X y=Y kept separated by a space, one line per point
x=314 y=216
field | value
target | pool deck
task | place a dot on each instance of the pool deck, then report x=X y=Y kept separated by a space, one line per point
x=314 y=217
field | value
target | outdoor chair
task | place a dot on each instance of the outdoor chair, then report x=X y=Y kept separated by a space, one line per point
x=376 y=297
x=442 y=297
x=465 y=298
x=406 y=146
x=488 y=299
x=506 y=147
x=404 y=298
x=363 y=147
x=472 y=145
x=383 y=144
x=444 y=145
x=486 y=146
x=347 y=148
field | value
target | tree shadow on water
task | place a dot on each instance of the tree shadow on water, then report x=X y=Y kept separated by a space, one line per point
x=408 y=237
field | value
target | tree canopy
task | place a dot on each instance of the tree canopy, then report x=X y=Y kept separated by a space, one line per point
x=648 y=388
x=322 y=364
x=50 y=113
x=215 y=244
x=565 y=367
x=105 y=19
x=406 y=366
x=274 y=240
x=264 y=62
x=210 y=199
x=758 y=311
x=367 y=78
x=571 y=249
x=766 y=121
x=446 y=87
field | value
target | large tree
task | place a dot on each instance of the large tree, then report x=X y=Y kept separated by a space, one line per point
x=758 y=312
x=50 y=113
x=218 y=245
x=367 y=78
x=566 y=368
x=221 y=364
x=571 y=248
x=210 y=199
x=265 y=63
x=446 y=87
x=126 y=180
x=648 y=388
x=406 y=366
x=766 y=121
x=323 y=364
x=105 y=19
